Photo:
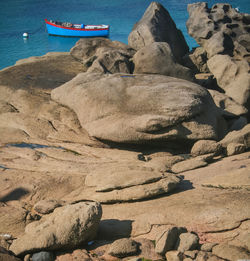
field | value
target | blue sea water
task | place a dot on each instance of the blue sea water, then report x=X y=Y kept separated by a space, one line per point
x=19 y=16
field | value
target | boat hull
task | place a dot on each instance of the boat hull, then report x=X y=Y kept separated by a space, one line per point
x=73 y=32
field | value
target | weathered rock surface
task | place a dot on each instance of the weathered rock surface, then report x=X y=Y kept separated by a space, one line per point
x=235 y=148
x=227 y=104
x=167 y=240
x=236 y=179
x=43 y=256
x=230 y=74
x=156 y=25
x=116 y=108
x=192 y=163
x=230 y=252
x=67 y=227
x=220 y=31
x=206 y=215
x=202 y=147
x=78 y=254
x=197 y=60
x=7 y=256
x=241 y=136
x=47 y=206
x=58 y=160
x=123 y=247
x=102 y=55
x=187 y=241
x=157 y=58
x=26 y=110
x=166 y=184
x=174 y=255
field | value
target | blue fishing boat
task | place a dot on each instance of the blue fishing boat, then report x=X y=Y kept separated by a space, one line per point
x=76 y=30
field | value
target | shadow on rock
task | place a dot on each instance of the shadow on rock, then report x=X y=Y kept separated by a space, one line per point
x=110 y=229
x=14 y=195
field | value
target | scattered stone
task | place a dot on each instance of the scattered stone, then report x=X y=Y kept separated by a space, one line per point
x=208 y=246
x=76 y=255
x=147 y=249
x=47 y=206
x=67 y=227
x=235 y=148
x=167 y=240
x=241 y=137
x=192 y=254
x=123 y=247
x=187 y=241
x=174 y=255
x=230 y=252
x=227 y=104
x=156 y=25
x=202 y=147
x=189 y=164
x=27 y=257
x=43 y=256
x=202 y=255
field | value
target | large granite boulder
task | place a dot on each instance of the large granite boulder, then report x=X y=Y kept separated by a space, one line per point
x=103 y=55
x=141 y=109
x=66 y=228
x=156 y=25
x=157 y=58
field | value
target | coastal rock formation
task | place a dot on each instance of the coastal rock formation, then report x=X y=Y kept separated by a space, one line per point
x=230 y=74
x=141 y=109
x=223 y=33
x=102 y=55
x=26 y=110
x=86 y=144
x=157 y=58
x=67 y=227
x=156 y=25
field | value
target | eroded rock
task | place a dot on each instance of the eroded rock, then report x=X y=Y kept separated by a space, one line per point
x=66 y=228
x=156 y=25
x=102 y=55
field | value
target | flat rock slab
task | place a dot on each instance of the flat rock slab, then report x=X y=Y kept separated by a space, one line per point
x=206 y=209
x=236 y=179
x=119 y=177
x=133 y=193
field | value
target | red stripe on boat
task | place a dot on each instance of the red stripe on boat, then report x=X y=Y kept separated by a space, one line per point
x=76 y=29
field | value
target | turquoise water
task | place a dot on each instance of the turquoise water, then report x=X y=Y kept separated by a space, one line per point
x=19 y=16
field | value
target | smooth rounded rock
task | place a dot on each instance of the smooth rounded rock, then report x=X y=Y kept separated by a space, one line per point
x=66 y=228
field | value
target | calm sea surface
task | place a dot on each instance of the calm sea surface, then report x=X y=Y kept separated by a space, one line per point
x=19 y=16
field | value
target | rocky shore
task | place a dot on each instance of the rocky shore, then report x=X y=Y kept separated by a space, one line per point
x=131 y=152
